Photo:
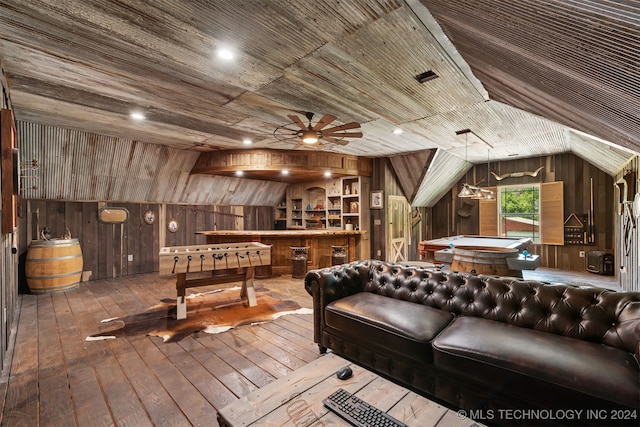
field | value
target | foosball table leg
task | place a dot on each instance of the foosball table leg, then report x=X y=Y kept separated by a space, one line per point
x=248 y=290
x=181 y=299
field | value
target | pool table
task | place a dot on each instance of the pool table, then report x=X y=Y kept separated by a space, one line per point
x=473 y=242
x=481 y=254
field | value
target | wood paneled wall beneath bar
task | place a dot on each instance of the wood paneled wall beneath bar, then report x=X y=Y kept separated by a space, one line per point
x=318 y=242
x=453 y=215
x=107 y=248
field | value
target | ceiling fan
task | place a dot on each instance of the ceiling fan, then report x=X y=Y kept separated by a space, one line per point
x=311 y=135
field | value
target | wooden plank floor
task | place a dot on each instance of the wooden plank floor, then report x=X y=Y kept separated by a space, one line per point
x=58 y=379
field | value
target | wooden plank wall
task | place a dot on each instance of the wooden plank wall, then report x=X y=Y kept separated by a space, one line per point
x=384 y=178
x=576 y=174
x=381 y=171
x=8 y=295
x=8 y=266
x=106 y=247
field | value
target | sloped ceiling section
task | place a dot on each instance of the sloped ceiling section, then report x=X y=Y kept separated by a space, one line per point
x=445 y=169
x=602 y=154
x=66 y=164
x=86 y=65
x=571 y=61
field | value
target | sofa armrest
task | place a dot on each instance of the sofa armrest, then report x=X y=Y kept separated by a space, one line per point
x=332 y=283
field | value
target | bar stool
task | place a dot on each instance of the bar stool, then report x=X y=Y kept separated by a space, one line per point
x=299 y=261
x=339 y=254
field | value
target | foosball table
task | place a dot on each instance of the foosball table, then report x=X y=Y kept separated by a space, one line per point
x=238 y=260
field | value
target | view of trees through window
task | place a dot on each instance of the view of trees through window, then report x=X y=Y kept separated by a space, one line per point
x=520 y=211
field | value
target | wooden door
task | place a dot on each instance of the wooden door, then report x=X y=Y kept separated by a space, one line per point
x=398 y=230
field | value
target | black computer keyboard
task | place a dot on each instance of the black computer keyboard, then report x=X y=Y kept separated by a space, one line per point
x=358 y=412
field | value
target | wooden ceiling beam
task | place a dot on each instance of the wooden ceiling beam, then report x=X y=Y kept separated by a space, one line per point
x=268 y=164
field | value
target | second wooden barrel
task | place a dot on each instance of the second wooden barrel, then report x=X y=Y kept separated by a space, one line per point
x=485 y=261
x=53 y=265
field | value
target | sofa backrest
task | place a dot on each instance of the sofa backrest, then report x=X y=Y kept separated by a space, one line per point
x=587 y=313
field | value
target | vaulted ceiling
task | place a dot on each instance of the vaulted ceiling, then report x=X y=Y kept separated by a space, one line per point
x=529 y=78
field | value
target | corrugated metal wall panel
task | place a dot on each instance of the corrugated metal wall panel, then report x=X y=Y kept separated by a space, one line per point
x=79 y=166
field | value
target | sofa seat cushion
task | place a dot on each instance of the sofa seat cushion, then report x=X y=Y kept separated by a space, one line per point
x=490 y=352
x=387 y=325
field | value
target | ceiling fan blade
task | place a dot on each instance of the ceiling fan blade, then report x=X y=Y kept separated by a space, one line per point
x=335 y=140
x=296 y=120
x=344 y=134
x=346 y=126
x=324 y=121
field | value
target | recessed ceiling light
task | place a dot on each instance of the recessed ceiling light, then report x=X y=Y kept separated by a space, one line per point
x=136 y=115
x=327 y=174
x=285 y=171
x=247 y=141
x=397 y=131
x=239 y=173
x=225 y=53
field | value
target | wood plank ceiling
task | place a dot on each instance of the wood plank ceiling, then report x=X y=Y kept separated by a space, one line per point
x=529 y=78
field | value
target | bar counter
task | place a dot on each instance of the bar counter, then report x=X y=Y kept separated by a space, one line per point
x=319 y=242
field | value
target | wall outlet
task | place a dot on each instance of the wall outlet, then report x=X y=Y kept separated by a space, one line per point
x=581 y=254
x=130 y=258
x=379 y=252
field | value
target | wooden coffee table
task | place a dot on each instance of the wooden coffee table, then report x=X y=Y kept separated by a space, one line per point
x=296 y=399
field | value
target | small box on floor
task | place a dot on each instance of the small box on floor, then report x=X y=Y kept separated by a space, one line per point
x=600 y=263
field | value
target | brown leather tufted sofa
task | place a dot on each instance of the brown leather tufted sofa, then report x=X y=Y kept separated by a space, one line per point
x=492 y=346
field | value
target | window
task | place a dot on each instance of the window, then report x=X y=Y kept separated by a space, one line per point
x=519 y=211
x=550 y=227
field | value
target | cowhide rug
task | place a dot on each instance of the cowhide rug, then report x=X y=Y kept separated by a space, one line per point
x=211 y=312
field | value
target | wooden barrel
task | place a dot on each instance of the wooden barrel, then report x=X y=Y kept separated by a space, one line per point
x=53 y=265
x=485 y=261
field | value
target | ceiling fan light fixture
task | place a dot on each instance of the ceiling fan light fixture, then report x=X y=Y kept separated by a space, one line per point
x=309 y=137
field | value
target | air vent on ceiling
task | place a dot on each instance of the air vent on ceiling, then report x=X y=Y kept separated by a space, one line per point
x=426 y=76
